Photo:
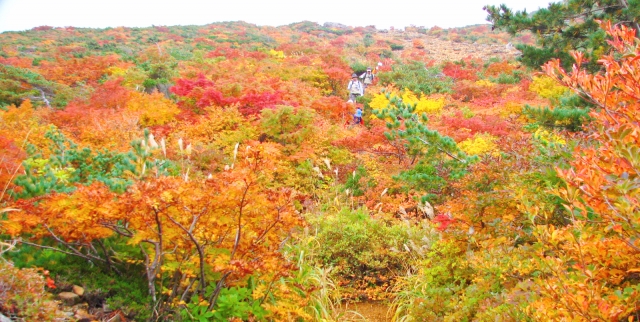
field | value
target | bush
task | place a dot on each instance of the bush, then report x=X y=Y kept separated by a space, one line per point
x=359 y=67
x=363 y=253
x=23 y=296
x=571 y=112
x=368 y=40
x=287 y=125
x=356 y=244
x=417 y=78
x=437 y=290
x=358 y=183
x=505 y=78
x=482 y=92
x=570 y=118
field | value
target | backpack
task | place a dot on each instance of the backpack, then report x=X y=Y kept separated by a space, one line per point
x=368 y=78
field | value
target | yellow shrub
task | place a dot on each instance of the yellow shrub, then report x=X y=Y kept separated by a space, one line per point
x=408 y=97
x=276 y=53
x=132 y=78
x=485 y=83
x=319 y=79
x=116 y=71
x=548 y=137
x=222 y=129
x=430 y=106
x=511 y=107
x=547 y=87
x=154 y=108
x=480 y=144
x=379 y=101
x=424 y=104
x=374 y=168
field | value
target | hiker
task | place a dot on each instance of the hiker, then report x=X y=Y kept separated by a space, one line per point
x=357 y=117
x=355 y=88
x=367 y=78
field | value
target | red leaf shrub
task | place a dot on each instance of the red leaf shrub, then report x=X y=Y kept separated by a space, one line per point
x=489 y=124
x=457 y=72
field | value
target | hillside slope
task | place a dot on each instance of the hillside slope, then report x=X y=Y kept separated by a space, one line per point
x=217 y=173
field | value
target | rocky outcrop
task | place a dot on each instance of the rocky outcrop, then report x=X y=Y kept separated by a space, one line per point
x=335 y=25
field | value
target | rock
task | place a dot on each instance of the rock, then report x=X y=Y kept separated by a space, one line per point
x=78 y=290
x=335 y=25
x=69 y=298
x=4 y=318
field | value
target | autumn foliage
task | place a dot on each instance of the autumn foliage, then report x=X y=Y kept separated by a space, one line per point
x=219 y=169
x=601 y=202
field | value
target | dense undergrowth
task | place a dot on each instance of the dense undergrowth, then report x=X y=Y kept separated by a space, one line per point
x=212 y=173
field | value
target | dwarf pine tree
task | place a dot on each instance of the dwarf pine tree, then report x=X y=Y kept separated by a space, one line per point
x=68 y=164
x=565 y=26
x=436 y=158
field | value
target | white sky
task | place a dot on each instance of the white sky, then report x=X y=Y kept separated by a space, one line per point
x=16 y=15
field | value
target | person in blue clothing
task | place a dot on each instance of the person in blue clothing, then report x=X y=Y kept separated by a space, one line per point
x=357 y=118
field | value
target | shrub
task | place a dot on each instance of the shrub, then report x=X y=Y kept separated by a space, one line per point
x=570 y=111
x=561 y=117
x=463 y=128
x=437 y=159
x=355 y=243
x=154 y=108
x=423 y=104
x=287 y=125
x=480 y=144
x=417 y=78
x=362 y=251
x=505 y=78
x=359 y=67
x=430 y=106
x=456 y=71
x=358 y=182
x=497 y=68
x=470 y=91
x=426 y=295
x=23 y=295
x=547 y=87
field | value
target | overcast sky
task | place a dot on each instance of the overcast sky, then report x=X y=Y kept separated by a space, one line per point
x=16 y=15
